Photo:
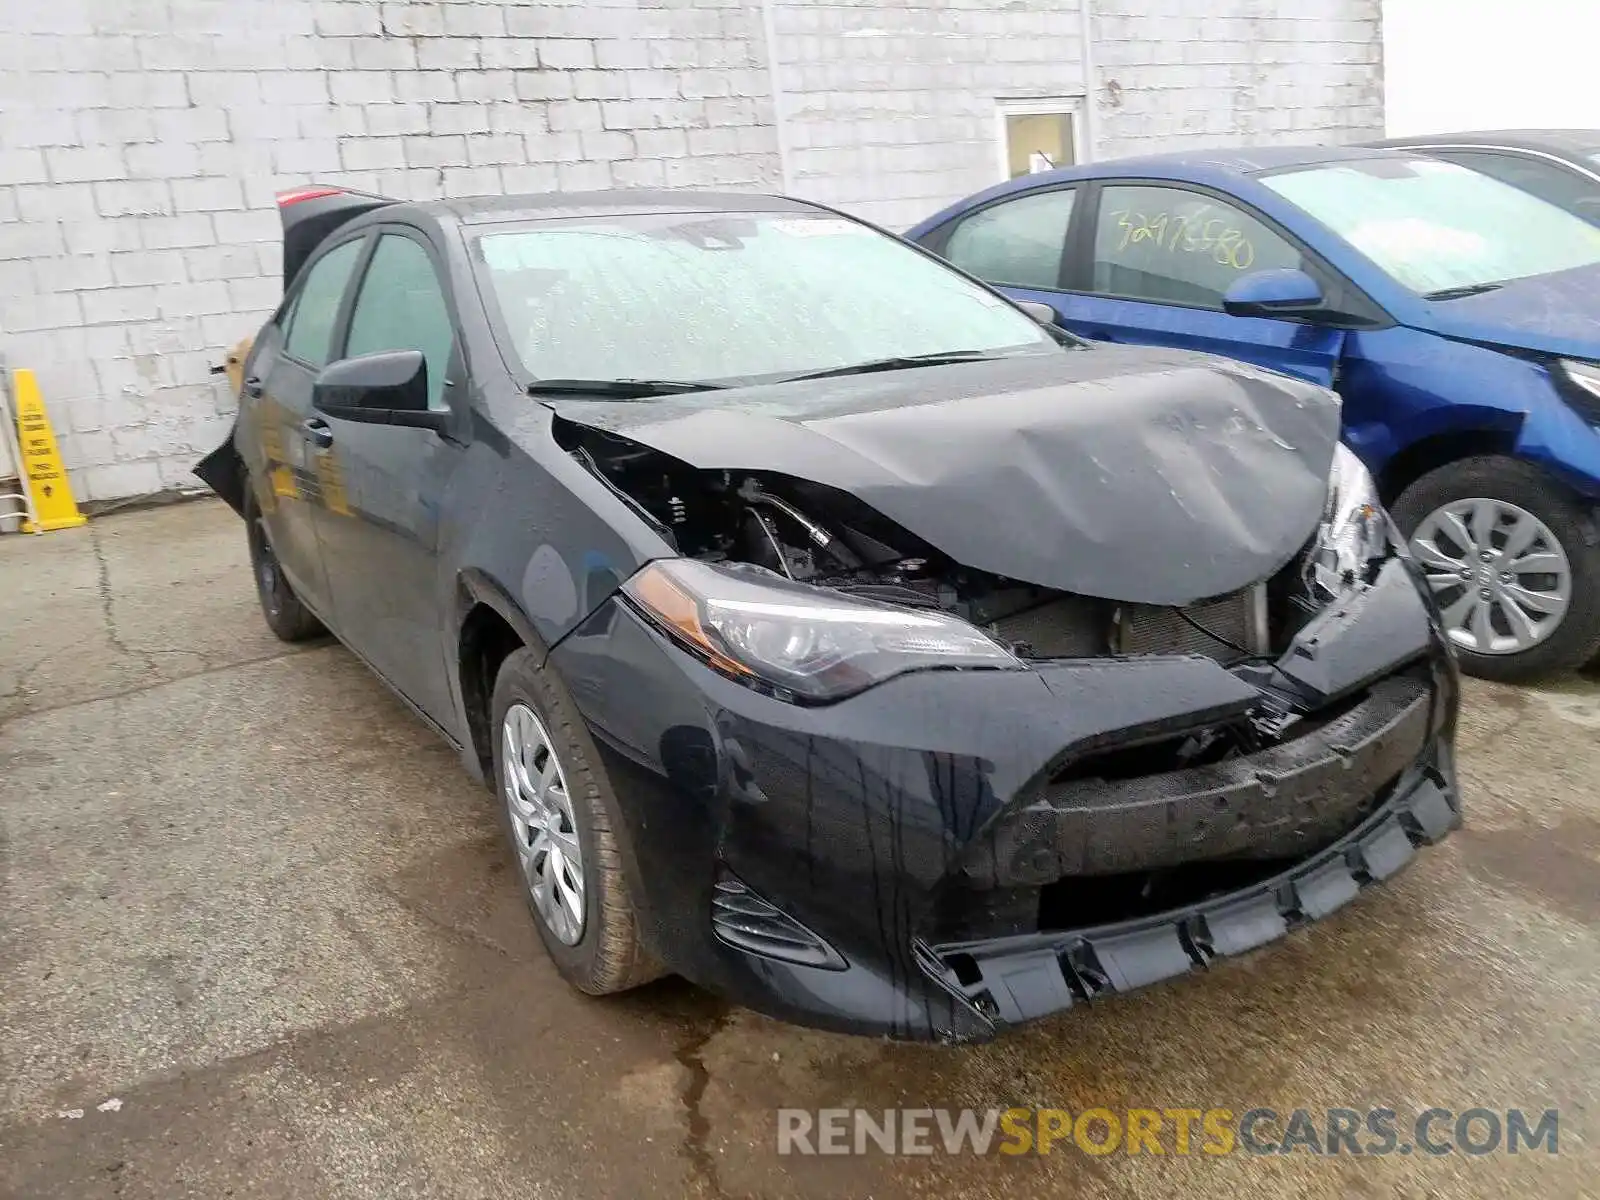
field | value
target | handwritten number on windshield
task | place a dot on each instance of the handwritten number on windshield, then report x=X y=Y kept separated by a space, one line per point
x=1187 y=234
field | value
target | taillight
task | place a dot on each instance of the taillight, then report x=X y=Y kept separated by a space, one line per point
x=295 y=197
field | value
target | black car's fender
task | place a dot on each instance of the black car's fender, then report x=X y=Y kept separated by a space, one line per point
x=536 y=539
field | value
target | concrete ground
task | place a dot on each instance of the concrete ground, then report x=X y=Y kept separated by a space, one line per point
x=258 y=938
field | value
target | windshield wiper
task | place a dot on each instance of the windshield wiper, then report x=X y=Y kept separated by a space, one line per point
x=904 y=363
x=619 y=389
x=1457 y=293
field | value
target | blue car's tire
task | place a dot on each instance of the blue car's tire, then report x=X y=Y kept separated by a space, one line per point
x=1514 y=559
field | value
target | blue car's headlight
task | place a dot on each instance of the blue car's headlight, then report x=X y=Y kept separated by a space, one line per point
x=1584 y=392
x=1356 y=533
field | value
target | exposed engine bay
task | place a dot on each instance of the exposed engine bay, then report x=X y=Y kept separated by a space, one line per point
x=814 y=534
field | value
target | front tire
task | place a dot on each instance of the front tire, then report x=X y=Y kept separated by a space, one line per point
x=1514 y=562
x=290 y=620
x=554 y=803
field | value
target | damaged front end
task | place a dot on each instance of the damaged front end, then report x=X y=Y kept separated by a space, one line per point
x=929 y=834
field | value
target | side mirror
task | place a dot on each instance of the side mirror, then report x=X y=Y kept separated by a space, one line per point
x=1282 y=293
x=388 y=388
x=1041 y=313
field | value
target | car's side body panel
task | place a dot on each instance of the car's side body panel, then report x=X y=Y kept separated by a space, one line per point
x=382 y=541
x=1305 y=351
x=1473 y=366
x=401 y=516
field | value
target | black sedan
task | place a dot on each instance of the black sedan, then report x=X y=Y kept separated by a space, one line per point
x=831 y=632
x=1561 y=166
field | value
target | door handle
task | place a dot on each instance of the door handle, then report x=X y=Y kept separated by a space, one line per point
x=317 y=432
x=252 y=386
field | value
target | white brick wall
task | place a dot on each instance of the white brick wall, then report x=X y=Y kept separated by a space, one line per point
x=142 y=141
x=890 y=109
x=1235 y=72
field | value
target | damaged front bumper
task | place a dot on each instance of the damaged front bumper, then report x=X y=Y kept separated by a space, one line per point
x=949 y=853
x=1011 y=980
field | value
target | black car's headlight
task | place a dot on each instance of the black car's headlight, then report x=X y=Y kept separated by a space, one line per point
x=816 y=644
x=1356 y=533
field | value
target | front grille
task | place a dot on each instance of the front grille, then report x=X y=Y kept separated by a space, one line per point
x=1280 y=802
x=1221 y=629
x=1066 y=627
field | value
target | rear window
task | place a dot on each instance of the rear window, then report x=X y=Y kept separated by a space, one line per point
x=730 y=297
x=1019 y=242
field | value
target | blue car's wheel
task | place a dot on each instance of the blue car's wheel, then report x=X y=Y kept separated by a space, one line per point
x=1514 y=562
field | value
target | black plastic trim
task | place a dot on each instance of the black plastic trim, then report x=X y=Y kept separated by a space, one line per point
x=1018 y=979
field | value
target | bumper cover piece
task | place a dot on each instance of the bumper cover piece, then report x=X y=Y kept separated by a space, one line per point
x=1282 y=802
x=1018 y=979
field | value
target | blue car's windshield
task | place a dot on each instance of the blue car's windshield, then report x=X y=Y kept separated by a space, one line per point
x=719 y=296
x=1437 y=227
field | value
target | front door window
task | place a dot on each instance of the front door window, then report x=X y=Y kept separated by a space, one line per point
x=310 y=334
x=1175 y=246
x=402 y=307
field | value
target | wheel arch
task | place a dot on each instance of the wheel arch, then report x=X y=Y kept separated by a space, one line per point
x=489 y=627
x=1426 y=454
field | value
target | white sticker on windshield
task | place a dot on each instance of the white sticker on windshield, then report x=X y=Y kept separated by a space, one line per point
x=816 y=226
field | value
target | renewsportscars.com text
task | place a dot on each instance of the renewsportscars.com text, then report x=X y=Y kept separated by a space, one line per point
x=1179 y=1131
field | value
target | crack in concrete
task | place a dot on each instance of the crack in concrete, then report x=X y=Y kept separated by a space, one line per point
x=108 y=615
x=106 y=595
x=697 y=1127
x=1501 y=732
x=25 y=676
x=107 y=608
x=467 y=936
x=139 y=689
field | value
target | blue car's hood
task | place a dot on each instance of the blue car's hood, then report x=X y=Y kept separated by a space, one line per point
x=1558 y=314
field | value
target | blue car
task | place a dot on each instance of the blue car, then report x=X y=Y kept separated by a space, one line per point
x=1457 y=317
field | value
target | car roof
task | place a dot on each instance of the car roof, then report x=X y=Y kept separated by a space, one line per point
x=1554 y=141
x=487 y=210
x=1245 y=160
x=1201 y=165
x=1217 y=167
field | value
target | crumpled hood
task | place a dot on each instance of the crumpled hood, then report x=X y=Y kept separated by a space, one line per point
x=1138 y=475
x=1558 y=314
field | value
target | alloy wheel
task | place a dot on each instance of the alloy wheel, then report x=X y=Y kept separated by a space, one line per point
x=1500 y=576
x=540 y=809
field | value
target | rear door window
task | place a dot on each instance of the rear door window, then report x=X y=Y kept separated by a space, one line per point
x=1017 y=242
x=401 y=306
x=1175 y=246
x=316 y=309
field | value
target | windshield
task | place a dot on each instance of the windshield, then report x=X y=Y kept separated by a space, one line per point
x=1435 y=226
x=731 y=297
